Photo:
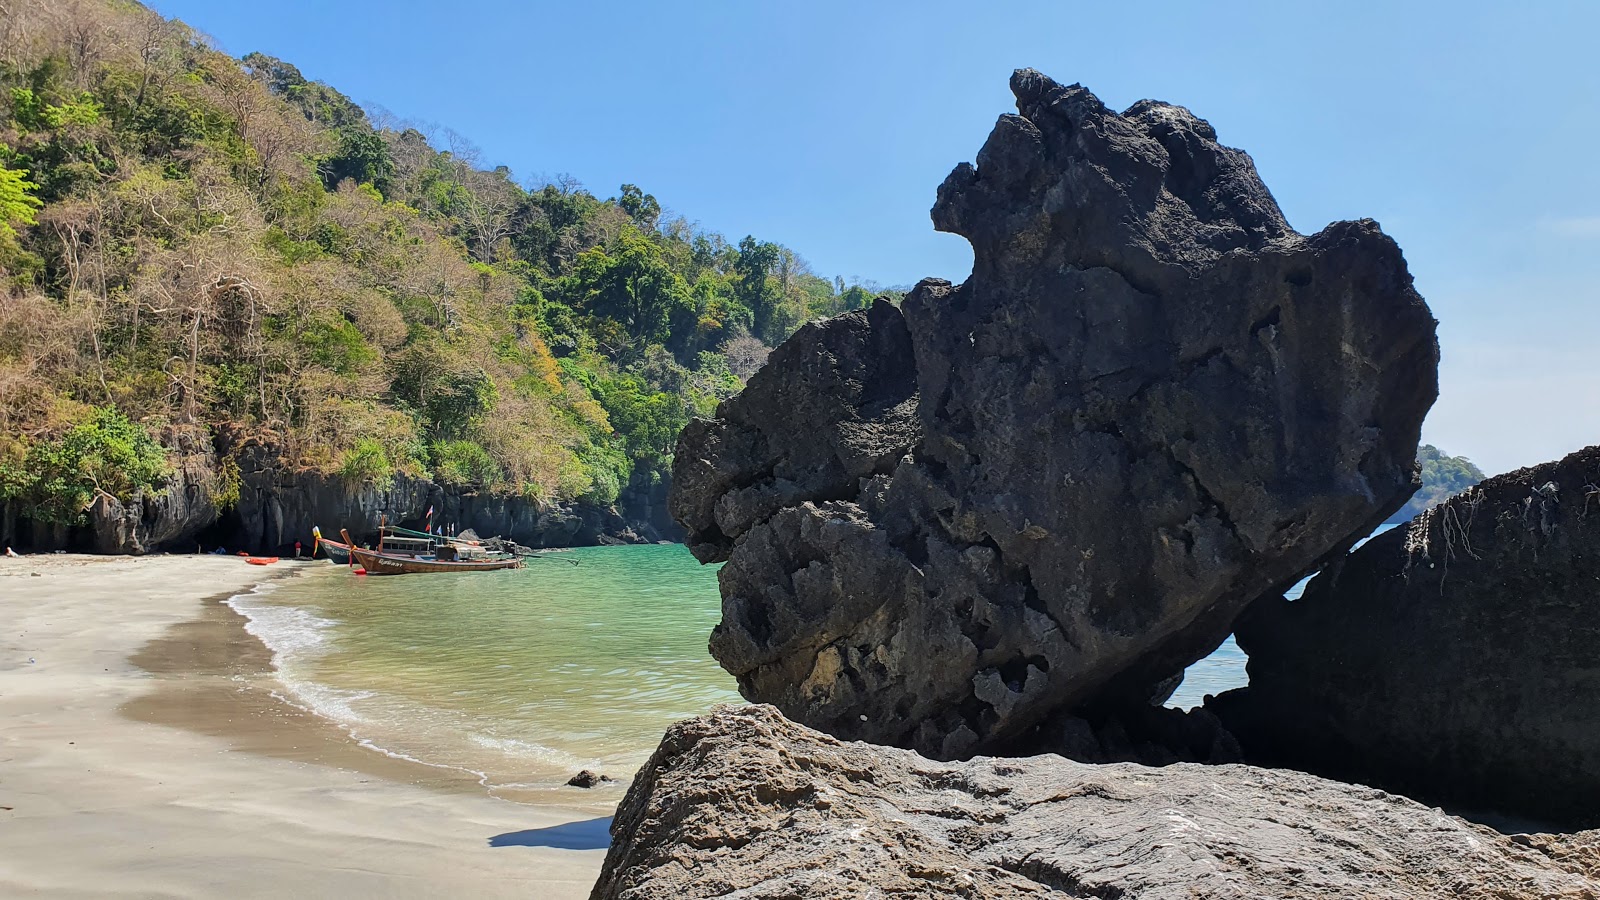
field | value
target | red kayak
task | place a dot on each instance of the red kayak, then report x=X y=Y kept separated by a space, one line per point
x=261 y=560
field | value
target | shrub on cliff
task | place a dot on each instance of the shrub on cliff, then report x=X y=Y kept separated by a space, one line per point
x=102 y=453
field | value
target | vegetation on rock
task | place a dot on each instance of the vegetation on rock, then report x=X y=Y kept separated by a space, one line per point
x=1443 y=477
x=189 y=240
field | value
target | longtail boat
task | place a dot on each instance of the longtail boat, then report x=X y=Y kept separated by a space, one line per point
x=338 y=554
x=383 y=563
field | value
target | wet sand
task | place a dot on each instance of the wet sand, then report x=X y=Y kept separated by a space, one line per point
x=143 y=753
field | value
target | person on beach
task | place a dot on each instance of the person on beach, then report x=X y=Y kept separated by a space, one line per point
x=296 y=549
x=12 y=553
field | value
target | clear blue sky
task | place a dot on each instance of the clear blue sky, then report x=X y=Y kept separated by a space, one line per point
x=1470 y=130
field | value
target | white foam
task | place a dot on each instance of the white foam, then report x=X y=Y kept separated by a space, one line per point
x=529 y=750
x=393 y=725
x=296 y=636
x=288 y=631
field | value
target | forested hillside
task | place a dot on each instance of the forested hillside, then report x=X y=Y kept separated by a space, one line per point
x=193 y=242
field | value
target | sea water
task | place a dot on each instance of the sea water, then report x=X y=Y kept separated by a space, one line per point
x=523 y=677
x=520 y=677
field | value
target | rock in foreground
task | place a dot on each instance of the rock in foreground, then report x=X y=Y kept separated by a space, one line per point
x=745 y=803
x=1052 y=488
x=1456 y=659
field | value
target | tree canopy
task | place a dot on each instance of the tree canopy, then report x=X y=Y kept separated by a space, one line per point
x=190 y=241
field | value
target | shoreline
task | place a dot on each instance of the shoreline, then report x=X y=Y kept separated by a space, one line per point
x=219 y=678
x=147 y=752
x=213 y=677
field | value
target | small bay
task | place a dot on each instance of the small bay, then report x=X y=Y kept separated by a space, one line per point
x=521 y=678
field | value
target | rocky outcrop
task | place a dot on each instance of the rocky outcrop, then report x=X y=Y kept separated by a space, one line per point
x=1048 y=490
x=643 y=503
x=279 y=504
x=1455 y=659
x=745 y=803
x=170 y=516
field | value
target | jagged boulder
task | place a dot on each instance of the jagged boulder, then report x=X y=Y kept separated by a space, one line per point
x=743 y=803
x=1055 y=486
x=1455 y=659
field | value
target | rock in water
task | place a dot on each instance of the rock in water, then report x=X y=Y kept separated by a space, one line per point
x=1057 y=485
x=745 y=803
x=1456 y=659
x=589 y=779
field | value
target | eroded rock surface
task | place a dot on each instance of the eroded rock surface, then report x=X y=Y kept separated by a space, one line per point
x=745 y=803
x=1456 y=659
x=1053 y=487
x=170 y=516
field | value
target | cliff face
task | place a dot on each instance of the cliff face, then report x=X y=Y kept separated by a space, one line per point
x=1456 y=658
x=1048 y=490
x=278 y=505
x=173 y=516
x=743 y=803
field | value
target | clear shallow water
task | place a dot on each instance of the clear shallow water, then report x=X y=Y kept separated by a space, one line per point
x=519 y=677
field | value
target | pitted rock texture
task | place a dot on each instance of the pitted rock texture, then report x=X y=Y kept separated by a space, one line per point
x=1051 y=488
x=743 y=803
x=1455 y=659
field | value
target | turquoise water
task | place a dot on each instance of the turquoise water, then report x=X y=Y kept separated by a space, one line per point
x=521 y=678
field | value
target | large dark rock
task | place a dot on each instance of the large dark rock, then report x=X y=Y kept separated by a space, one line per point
x=743 y=803
x=1455 y=659
x=1052 y=488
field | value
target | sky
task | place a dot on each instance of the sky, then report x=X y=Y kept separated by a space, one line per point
x=1470 y=131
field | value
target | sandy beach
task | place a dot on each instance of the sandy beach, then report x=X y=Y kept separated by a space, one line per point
x=142 y=754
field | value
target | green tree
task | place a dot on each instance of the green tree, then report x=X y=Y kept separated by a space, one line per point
x=1443 y=476
x=755 y=289
x=633 y=287
x=855 y=297
x=649 y=421
x=17 y=204
x=642 y=208
x=105 y=453
x=459 y=401
x=362 y=155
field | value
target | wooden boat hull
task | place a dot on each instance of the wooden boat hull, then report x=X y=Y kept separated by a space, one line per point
x=337 y=553
x=387 y=564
